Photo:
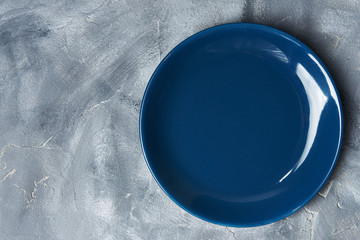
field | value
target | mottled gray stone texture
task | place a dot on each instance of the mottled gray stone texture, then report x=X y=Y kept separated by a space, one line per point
x=72 y=75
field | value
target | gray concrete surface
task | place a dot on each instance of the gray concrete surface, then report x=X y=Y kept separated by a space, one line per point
x=72 y=74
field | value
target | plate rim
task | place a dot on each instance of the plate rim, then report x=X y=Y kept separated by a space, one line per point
x=249 y=26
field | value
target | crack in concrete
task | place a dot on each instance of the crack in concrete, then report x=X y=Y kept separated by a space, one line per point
x=42 y=146
x=4 y=167
x=2 y=153
x=13 y=171
x=232 y=232
x=338 y=201
x=285 y=18
x=311 y=220
x=89 y=19
x=10 y=145
x=46 y=142
x=341 y=230
x=69 y=20
x=42 y=182
x=8 y=175
x=25 y=193
x=326 y=190
x=96 y=106
x=122 y=98
x=99 y=104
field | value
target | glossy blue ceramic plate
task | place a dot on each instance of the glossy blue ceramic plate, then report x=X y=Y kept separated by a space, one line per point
x=241 y=124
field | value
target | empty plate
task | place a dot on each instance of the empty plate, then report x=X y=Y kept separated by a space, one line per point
x=241 y=124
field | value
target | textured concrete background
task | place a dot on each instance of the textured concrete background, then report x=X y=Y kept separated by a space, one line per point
x=72 y=74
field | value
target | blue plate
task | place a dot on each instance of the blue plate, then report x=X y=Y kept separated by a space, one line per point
x=241 y=124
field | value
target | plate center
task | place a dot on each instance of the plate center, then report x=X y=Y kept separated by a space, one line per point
x=236 y=126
